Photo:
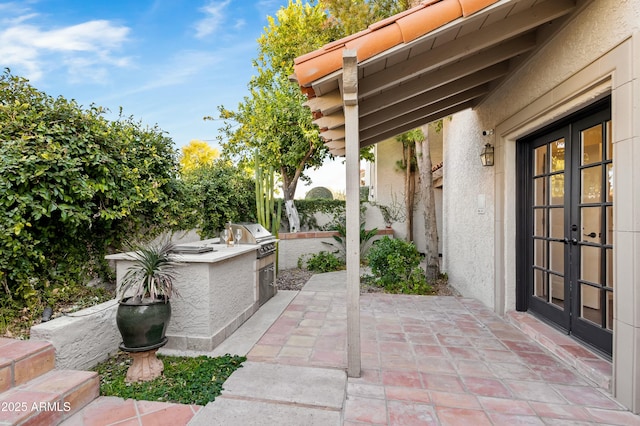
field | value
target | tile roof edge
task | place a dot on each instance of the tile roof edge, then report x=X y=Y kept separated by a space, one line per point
x=313 y=73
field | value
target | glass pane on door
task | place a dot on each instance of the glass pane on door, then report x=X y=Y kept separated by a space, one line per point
x=591 y=224
x=591 y=184
x=590 y=260
x=590 y=308
x=591 y=146
x=556 y=223
x=540 y=160
x=557 y=155
x=540 y=284
x=557 y=290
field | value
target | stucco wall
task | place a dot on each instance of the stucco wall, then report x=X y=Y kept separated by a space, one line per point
x=293 y=246
x=470 y=247
x=388 y=188
x=468 y=223
x=84 y=338
x=596 y=53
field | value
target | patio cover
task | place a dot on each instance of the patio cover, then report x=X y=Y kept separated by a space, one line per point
x=426 y=63
x=431 y=61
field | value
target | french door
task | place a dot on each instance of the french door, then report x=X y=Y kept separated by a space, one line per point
x=565 y=229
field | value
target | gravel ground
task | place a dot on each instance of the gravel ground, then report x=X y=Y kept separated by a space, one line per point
x=295 y=279
x=292 y=279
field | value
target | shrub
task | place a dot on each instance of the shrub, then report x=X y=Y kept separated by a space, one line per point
x=321 y=262
x=74 y=185
x=308 y=208
x=395 y=265
x=341 y=239
x=218 y=193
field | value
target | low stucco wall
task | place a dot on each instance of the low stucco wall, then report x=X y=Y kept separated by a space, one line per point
x=293 y=245
x=84 y=338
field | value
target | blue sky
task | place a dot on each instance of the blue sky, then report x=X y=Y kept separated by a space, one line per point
x=165 y=62
x=168 y=62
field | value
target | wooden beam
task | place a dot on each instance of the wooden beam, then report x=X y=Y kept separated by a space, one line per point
x=333 y=134
x=331 y=121
x=379 y=137
x=428 y=110
x=449 y=74
x=327 y=104
x=427 y=98
x=352 y=139
x=335 y=144
x=467 y=45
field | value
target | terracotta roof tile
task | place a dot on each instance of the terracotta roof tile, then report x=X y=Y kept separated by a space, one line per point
x=397 y=16
x=383 y=35
x=376 y=42
x=319 y=66
x=427 y=19
x=469 y=7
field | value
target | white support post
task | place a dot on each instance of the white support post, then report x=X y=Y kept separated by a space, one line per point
x=352 y=142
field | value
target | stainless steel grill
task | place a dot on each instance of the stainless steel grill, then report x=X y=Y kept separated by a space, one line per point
x=254 y=233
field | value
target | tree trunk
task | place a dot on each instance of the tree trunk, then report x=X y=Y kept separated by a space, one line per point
x=423 y=156
x=409 y=188
x=288 y=187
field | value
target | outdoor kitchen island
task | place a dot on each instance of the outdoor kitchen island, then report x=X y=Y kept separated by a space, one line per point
x=218 y=290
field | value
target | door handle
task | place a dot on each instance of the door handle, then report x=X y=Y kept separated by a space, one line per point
x=571 y=241
x=591 y=235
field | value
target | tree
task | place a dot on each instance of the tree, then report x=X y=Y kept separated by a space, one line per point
x=423 y=155
x=273 y=121
x=408 y=165
x=197 y=154
x=218 y=193
x=351 y=16
x=277 y=127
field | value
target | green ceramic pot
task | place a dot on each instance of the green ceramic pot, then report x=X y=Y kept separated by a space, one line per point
x=143 y=326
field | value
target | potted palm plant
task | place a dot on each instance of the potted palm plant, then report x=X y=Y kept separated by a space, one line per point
x=144 y=309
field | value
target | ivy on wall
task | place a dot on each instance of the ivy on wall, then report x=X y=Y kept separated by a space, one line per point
x=307 y=210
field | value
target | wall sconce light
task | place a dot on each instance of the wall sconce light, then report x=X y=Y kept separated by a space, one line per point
x=487 y=155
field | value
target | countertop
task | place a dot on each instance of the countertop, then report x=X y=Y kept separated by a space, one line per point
x=220 y=252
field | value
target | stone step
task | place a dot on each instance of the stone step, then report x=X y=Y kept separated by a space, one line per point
x=110 y=410
x=24 y=360
x=576 y=355
x=48 y=399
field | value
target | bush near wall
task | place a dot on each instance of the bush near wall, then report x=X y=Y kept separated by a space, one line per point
x=73 y=185
x=217 y=194
x=395 y=267
x=309 y=210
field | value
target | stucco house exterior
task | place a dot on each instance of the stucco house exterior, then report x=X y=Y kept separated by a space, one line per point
x=553 y=228
x=386 y=188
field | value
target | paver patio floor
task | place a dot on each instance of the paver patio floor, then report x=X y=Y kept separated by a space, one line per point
x=430 y=360
x=437 y=360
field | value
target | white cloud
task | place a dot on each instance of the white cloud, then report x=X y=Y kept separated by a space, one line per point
x=240 y=23
x=84 y=49
x=214 y=18
x=89 y=36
